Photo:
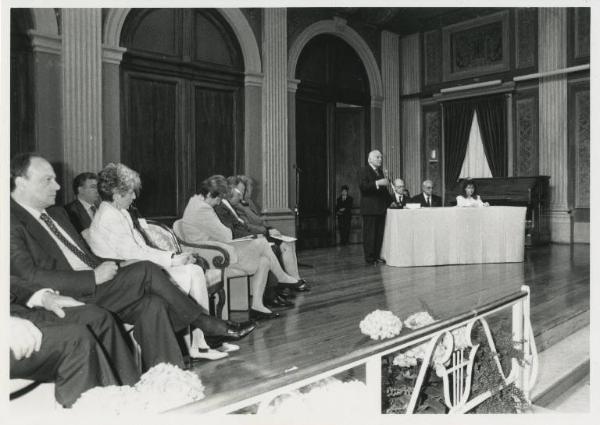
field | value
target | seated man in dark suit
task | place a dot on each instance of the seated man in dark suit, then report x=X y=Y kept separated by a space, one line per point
x=81 y=211
x=427 y=198
x=76 y=346
x=48 y=254
x=400 y=197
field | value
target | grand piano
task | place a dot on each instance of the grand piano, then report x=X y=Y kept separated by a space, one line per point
x=530 y=192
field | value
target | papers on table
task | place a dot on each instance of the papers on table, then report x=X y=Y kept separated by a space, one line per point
x=412 y=206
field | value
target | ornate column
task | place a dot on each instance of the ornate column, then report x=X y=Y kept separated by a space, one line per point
x=111 y=103
x=82 y=91
x=411 y=112
x=390 y=74
x=46 y=76
x=292 y=88
x=253 y=157
x=275 y=203
x=553 y=148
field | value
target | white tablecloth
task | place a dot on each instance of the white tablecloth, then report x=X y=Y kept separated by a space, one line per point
x=432 y=236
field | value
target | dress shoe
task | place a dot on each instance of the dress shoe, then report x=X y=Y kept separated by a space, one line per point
x=286 y=293
x=380 y=261
x=259 y=315
x=235 y=333
x=303 y=287
x=279 y=301
x=240 y=325
x=207 y=354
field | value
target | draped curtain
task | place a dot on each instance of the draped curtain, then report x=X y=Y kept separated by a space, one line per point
x=458 y=116
x=491 y=112
x=475 y=163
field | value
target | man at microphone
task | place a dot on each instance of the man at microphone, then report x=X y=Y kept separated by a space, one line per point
x=375 y=198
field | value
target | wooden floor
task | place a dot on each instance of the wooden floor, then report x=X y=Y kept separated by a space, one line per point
x=322 y=329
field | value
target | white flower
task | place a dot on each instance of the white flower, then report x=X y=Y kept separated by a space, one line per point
x=418 y=320
x=381 y=324
x=162 y=387
x=461 y=338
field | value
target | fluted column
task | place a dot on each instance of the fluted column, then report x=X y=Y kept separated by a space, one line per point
x=111 y=103
x=390 y=72
x=82 y=91
x=274 y=112
x=411 y=112
x=553 y=146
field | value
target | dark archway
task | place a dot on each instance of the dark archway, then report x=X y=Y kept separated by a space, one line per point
x=332 y=133
x=182 y=103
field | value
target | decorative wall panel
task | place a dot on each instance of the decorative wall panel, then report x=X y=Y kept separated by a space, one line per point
x=433 y=140
x=478 y=46
x=581 y=120
x=433 y=57
x=526 y=37
x=582 y=32
x=526 y=135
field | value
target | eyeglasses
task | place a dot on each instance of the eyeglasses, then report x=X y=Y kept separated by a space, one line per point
x=427 y=187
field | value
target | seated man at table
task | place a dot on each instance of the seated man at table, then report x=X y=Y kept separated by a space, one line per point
x=426 y=198
x=401 y=196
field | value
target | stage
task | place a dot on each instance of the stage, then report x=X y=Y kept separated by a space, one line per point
x=322 y=331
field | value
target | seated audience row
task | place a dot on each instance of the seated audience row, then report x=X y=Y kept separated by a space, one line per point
x=53 y=268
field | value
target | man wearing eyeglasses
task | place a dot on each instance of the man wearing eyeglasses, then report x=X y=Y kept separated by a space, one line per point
x=426 y=198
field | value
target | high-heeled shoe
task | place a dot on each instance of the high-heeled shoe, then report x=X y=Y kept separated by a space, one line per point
x=196 y=353
x=260 y=315
x=297 y=286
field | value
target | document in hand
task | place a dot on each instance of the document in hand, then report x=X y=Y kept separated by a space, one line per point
x=245 y=238
x=284 y=238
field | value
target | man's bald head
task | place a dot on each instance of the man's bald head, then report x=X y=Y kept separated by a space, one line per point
x=375 y=158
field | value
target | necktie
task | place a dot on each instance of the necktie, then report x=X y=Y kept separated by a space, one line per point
x=74 y=249
x=428 y=201
x=93 y=210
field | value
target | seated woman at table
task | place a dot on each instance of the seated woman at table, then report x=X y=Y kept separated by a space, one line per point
x=113 y=234
x=470 y=197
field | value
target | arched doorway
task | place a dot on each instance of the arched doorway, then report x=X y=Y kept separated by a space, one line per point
x=332 y=132
x=22 y=128
x=182 y=103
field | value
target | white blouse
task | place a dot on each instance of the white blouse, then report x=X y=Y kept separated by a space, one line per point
x=461 y=201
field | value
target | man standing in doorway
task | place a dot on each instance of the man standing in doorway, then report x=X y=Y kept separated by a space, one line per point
x=375 y=198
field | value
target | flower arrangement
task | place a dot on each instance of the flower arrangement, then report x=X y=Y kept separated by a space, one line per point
x=162 y=387
x=418 y=320
x=381 y=324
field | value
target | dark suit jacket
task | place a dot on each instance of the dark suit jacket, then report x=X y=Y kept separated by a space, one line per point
x=398 y=206
x=37 y=259
x=374 y=201
x=238 y=230
x=78 y=215
x=347 y=204
x=436 y=201
x=253 y=220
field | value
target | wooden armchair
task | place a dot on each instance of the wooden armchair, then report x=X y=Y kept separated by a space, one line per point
x=228 y=267
x=212 y=259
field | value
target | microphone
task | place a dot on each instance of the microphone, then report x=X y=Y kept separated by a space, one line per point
x=298 y=169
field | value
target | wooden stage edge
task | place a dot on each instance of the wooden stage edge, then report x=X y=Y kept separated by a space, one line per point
x=322 y=330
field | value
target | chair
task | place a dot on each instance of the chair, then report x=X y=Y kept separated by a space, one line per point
x=163 y=238
x=228 y=268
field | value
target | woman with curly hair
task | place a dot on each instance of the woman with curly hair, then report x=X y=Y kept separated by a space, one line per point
x=469 y=196
x=113 y=234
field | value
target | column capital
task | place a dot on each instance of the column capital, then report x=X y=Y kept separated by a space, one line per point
x=45 y=43
x=112 y=54
x=293 y=85
x=376 y=101
x=253 y=79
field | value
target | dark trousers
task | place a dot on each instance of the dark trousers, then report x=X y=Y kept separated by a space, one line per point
x=83 y=350
x=344 y=228
x=142 y=294
x=373 y=227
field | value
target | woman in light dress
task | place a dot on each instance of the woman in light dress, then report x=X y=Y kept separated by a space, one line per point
x=113 y=234
x=200 y=223
x=469 y=196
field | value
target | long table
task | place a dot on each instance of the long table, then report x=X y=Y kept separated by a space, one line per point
x=435 y=236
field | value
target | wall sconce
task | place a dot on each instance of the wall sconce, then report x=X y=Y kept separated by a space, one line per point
x=433 y=155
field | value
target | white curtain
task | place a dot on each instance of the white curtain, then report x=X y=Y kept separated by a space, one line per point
x=475 y=164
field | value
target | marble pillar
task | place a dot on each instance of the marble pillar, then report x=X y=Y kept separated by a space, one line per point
x=275 y=173
x=111 y=103
x=81 y=92
x=390 y=73
x=411 y=112
x=553 y=147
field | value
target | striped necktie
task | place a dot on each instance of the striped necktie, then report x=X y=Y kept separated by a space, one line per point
x=91 y=262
